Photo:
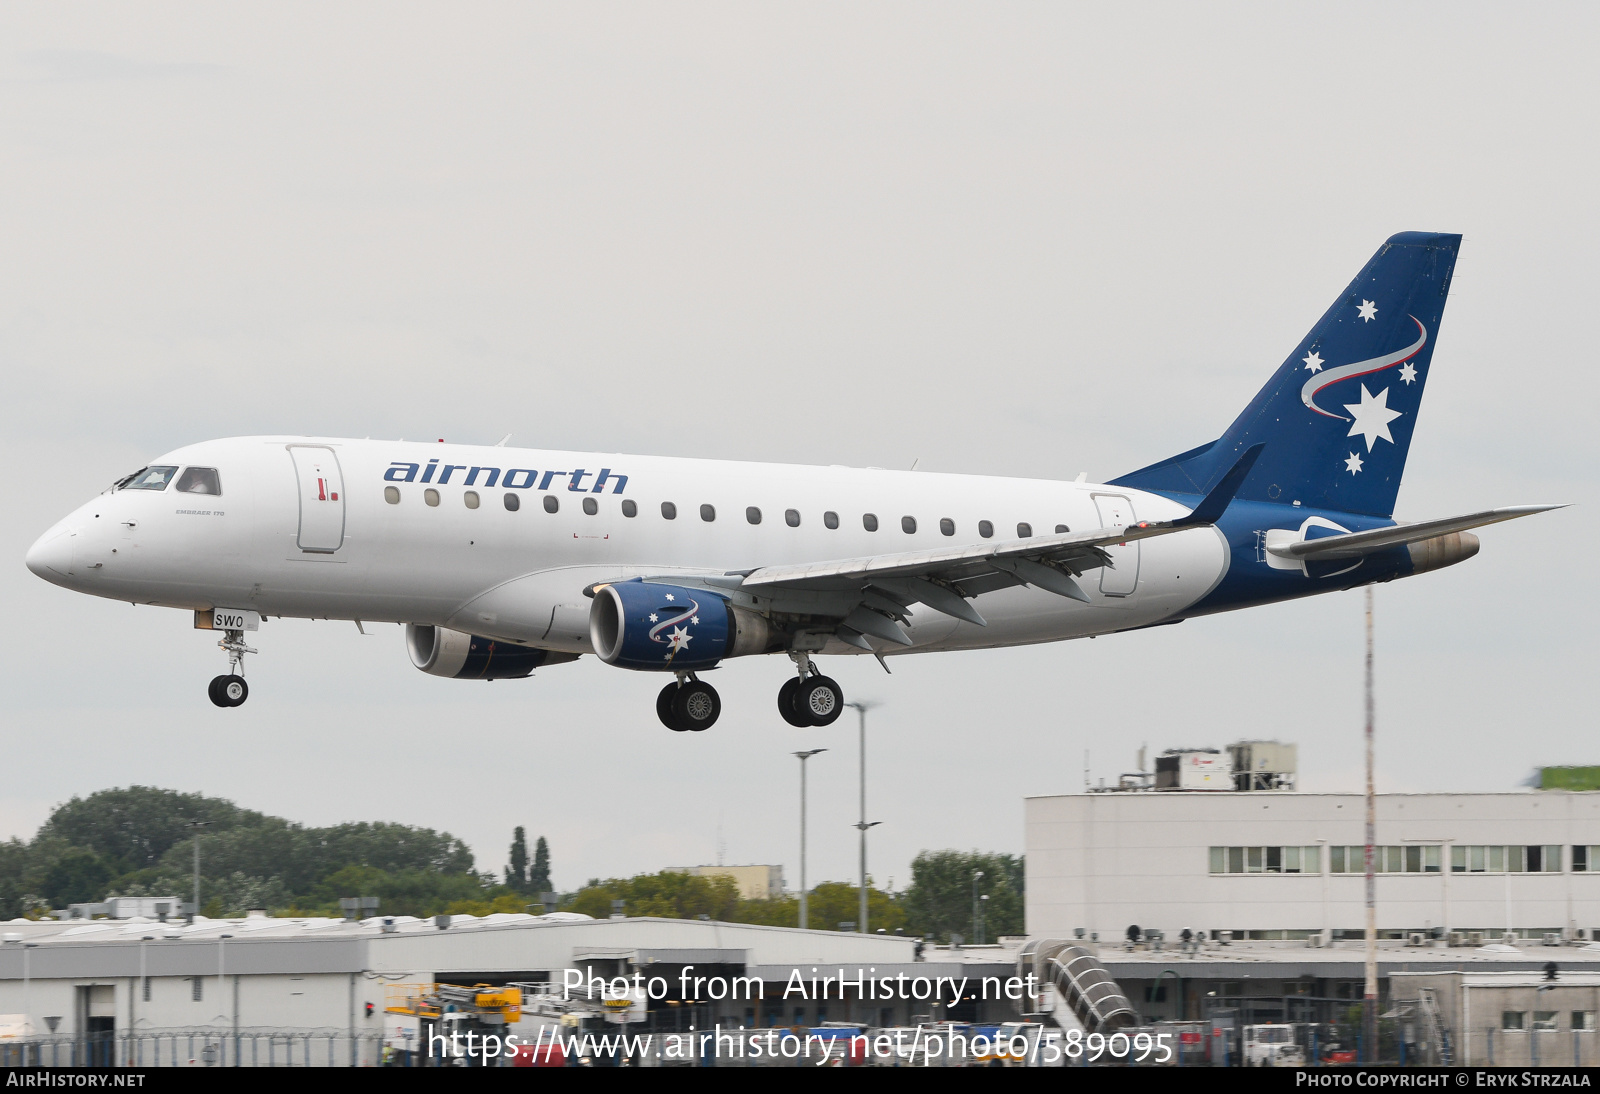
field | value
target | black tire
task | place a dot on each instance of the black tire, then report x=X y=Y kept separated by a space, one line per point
x=696 y=706
x=786 y=704
x=819 y=700
x=234 y=690
x=664 y=708
x=214 y=690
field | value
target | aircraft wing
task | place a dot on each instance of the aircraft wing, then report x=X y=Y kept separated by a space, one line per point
x=1356 y=544
x=870 y=595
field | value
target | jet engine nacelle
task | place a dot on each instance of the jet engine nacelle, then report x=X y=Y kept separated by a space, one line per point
x=440 y=651
x=670 y=628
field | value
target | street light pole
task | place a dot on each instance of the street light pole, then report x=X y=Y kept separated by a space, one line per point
x=977 y=936
x=804 y=892
x=862 y=825
x=1369 y=999
x=195 y=827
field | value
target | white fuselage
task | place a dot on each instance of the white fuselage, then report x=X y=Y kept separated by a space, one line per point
x=520 y=575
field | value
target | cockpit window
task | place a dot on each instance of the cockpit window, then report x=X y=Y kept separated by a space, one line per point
x=151 y=478
x=199 y=480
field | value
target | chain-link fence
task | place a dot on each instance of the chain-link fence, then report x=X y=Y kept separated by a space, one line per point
x=197 y=1048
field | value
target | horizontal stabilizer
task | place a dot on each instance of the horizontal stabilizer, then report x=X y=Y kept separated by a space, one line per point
x=1356 y=544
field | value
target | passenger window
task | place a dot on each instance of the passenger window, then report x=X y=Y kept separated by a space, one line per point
x=869 y=521
x=908 y=525
x=630 y=508
x=669 y=511
x=151 y=478
x=1062 y=529
x=986 y=529
x=513 y=501
x=431 y=496
x=791 y=517
x=830 y=519
x=1024 y=530
x=471 y=498
x=753 y=515
x=391 y=494
x=947 y=526
x=591 y=506
x=708 y=513
x=551 y=503
x=199 y=480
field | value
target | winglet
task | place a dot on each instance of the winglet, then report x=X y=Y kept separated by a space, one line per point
x=1214 y=504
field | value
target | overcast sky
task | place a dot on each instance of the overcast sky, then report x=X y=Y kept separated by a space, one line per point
x=1014 y=239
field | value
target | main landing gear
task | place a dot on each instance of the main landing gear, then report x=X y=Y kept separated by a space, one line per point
x=230 y=690
x=809 y=699
x=688 y=705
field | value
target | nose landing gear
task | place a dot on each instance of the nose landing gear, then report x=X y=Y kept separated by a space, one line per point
x=230 y=690
x=809 y=699
x=688 y=705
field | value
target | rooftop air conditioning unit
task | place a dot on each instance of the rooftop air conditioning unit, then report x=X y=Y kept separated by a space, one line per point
x=1509 y=939
x=1457 y=938
x=1551 y=938
x=1416 y=938
x=1474 y=938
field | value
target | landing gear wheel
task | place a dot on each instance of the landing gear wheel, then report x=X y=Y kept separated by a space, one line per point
x=696 y=706
x=786 y=704
x=819 y=700
x=228 y=691
x=664 y=708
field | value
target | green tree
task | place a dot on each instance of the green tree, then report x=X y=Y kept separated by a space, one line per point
x=939 y=900
x=134 y=827
x=77 y=876
x=539 y=875
x=668 y=895
x=836 y=902
x=517 y=870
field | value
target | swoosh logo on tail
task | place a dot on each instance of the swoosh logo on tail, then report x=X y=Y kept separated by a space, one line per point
x=1314 y=386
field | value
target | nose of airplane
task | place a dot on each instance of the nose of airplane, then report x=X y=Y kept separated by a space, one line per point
x=51 y=554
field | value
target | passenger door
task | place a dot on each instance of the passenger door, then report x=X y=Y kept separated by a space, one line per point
x=321 y=492
x=1116 y=511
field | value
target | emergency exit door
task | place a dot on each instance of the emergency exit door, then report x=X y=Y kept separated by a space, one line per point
x=1122 y=578
x=321 y=489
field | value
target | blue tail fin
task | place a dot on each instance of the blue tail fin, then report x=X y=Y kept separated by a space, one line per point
x=1336 y=418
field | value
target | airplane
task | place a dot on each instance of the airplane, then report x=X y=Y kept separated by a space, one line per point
x=500 y=560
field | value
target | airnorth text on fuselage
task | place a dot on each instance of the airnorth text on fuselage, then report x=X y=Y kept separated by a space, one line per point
x=515 y=478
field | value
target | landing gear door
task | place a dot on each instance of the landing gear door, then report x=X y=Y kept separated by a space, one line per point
x=1122 y=578
x=321 y=491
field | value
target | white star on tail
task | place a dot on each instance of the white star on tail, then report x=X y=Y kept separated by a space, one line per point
x=1313 y=361
x=1371 y=416
x=1408 y=373
x=671 y=597
x=1368 y=311
x=1353 y=464
x=654 y=618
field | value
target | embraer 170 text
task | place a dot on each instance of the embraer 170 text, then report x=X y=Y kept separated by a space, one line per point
x=499 y=560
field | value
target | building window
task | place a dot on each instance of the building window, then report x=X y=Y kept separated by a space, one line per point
x=1544 y=1021
x=471 y=498
x=986 y=529
x=1581 y=1020
x=947 y=527
x=869 y=521
x=1266 y=860
x=590 y=506
x=1405 y=859
x=431 y=496
x=708 y=513
x=830 y=519
x=791 y=517
x=669 y=511
x=908 y=525
x=1513 y=1020
x=1585 y=858
x=551 y=503
x=391 y=494
x=1534 y=859
x=630 y=508
x=513 y=502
